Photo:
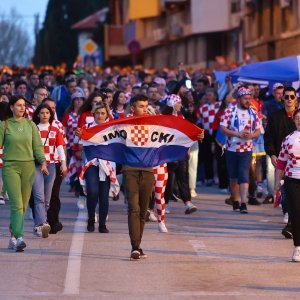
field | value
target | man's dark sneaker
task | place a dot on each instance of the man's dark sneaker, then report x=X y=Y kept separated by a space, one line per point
x=103 y=229
x=269 y=199
x=287 y=231
x=116 y=198
x=142 y=254
x=253 y=201
x=91 y=225
x=135 y=255
x=243 y=208
x=56 y=227
x=236 y=205
x=229 y=201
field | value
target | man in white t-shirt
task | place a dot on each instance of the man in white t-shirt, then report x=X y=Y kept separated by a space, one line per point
x=241 y=125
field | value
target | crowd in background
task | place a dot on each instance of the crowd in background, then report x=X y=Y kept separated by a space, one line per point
x=70 y=100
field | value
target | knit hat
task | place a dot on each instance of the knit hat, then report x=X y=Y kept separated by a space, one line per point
x=173 y=99
x=243 y=91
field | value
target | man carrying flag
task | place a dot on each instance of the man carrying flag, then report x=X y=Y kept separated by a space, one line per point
x=140 y=144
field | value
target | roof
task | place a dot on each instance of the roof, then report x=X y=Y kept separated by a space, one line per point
x=92 y=21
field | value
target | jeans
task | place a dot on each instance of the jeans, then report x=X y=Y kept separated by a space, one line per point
x=41 y=191
x=97 y=191
x=18 y=177
x=193 y=165
x=138 y=186
x=270 y=176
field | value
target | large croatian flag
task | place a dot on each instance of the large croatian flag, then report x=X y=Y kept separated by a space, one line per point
x=142 y=141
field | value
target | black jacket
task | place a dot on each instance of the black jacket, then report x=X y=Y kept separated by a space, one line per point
x=279 y=126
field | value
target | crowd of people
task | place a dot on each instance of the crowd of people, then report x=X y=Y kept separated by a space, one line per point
x=248 y=146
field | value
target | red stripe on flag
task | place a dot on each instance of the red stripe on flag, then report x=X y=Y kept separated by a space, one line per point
x=179 y=124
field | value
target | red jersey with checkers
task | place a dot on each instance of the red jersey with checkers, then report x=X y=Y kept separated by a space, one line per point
x=289 y=156
x=239 y=120
x=60 y=127
x=51 y=139
x=206 y=114
x=30 y=109
x=70 y=122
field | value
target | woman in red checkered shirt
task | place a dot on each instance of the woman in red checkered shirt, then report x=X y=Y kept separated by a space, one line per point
x=288 y=164
x=53 y=142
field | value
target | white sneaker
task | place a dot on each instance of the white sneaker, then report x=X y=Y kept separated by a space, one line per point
x=286 y=218
x=20 y=244
x=162 y=227
x=37 y=230
x=296 y=254
x=152 y=217
x=193 y=193
x=189 y=208
x=2 y=201
x=45 y=230
x=12 y=243
x=81 y=202
x=167 y=209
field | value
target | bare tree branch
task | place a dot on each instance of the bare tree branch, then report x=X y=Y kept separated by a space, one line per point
x=15 y=46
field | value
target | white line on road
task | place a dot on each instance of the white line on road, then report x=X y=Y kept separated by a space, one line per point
x=72 y=280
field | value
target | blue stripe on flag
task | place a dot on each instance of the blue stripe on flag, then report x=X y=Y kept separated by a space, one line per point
x=136 y=156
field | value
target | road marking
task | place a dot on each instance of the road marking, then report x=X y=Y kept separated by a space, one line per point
x=72 y=280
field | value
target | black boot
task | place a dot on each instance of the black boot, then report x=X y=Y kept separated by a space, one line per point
x=91 y=225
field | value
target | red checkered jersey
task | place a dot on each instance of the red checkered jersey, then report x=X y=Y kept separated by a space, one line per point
x=55 y=139
x=290 y=155
x=70 y=122
x=30 y=109
x=85 y=118
x=239 y=120
x=206 y=114
x=60 y=127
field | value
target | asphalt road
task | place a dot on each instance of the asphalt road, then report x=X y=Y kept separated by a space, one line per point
x=214 y=253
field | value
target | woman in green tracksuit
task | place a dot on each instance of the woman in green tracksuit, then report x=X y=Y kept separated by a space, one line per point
x=22 y=146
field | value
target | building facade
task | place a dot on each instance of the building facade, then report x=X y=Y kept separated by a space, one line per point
x=272 y=28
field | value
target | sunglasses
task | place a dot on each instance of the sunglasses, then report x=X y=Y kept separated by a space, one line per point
x=287 y=97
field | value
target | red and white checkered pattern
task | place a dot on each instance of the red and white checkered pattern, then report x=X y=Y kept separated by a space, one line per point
x=206 y=115
x=290 y=153
x=70 y=122
x=106 y=167
x=139 y=135
x=160 y=181
x=236 y=144
x=54 y=140
x=57 y=124
x=74 y=167
x=30 y=109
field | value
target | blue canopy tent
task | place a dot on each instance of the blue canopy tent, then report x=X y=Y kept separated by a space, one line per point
x=284 y=70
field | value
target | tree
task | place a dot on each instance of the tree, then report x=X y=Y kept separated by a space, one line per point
x=57 y=42
x=15 y=42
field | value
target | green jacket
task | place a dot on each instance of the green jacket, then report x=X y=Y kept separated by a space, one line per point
x=22 y=141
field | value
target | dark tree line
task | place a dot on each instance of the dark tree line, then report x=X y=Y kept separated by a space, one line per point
x=56 y=41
